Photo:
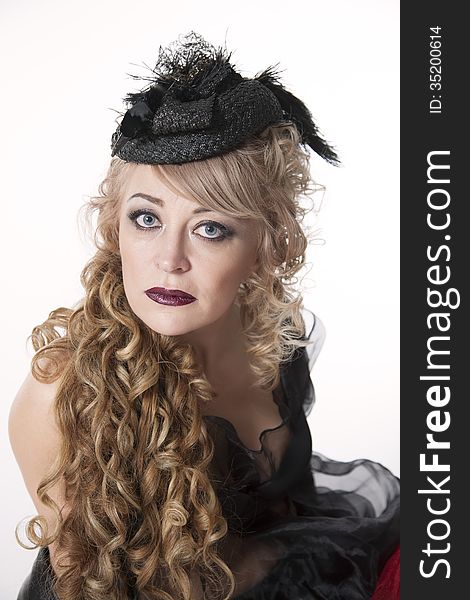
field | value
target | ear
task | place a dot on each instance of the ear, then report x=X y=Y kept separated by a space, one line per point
x=254 y=265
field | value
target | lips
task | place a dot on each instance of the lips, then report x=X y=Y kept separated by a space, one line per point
x=169 y=297
x=164 y=291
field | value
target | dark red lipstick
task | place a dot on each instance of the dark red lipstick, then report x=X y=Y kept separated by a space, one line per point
x=169 y=297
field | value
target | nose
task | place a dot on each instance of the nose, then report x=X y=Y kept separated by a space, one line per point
x=170 y=254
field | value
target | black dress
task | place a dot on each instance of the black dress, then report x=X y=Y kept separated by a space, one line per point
x=301 y=526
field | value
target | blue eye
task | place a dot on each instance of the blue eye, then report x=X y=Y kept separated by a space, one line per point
x=146 y=216
x=210 y=226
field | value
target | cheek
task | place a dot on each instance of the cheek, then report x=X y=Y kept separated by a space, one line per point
x=127 y=262
x=132 y=261
x=134 y=255
x=226 y=273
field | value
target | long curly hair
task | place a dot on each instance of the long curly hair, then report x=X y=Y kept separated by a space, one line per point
x=135 y=453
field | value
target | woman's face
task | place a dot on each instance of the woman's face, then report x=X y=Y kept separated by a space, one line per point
x=169 y=241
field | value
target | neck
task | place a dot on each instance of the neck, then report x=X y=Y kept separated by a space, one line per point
x=217 y=344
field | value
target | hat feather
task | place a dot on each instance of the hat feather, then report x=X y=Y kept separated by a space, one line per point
x=296 y=111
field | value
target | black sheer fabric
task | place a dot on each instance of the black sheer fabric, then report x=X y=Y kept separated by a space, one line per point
x=301 y=526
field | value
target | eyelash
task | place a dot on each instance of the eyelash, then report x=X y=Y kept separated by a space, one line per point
x=226 y=232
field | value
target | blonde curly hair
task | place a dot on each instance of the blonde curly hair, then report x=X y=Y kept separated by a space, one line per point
x=135 y=452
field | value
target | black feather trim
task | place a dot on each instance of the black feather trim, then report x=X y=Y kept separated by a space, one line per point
x=296 y=111
x=191 y=69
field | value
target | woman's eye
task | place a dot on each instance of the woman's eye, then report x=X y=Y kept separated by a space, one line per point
x=211 y=230
x=147 y=220
x=143 y=219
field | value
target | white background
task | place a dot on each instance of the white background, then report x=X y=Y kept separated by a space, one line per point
x=64 y=67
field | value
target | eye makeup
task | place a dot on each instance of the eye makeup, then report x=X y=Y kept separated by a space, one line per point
x=226 y=232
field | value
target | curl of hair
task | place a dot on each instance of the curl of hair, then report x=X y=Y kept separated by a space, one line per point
x=144 y=517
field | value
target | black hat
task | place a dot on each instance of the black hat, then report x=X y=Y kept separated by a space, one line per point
x=197 y=106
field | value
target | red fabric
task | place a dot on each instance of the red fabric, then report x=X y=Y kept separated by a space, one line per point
x=388 y=586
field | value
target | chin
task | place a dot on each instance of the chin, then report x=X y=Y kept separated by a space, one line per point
x=171 y=325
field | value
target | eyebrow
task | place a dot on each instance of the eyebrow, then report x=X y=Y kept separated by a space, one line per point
x=159 y=202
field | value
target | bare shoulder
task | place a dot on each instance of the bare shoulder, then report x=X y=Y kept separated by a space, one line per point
x=35 y=439
x=32 y=429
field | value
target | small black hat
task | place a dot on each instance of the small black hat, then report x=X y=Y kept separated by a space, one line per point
x=197 y=106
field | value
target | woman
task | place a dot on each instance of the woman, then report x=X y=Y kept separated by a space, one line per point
x=163 y=434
